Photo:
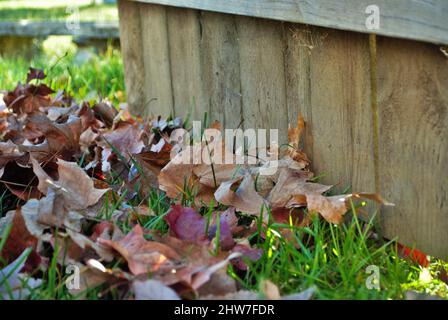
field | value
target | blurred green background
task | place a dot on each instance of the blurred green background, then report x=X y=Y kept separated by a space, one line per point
x=90 y=70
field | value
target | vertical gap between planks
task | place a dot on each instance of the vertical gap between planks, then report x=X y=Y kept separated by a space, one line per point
x=375 y=117
x=173 y=101
x=142 y=107
x=285 y=48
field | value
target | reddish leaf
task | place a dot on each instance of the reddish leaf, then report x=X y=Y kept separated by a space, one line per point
x=19 y=240
x=186 y=224
x=143 y=256
x=414 y=255
x=28 y=98
x=35 y=74
x=252 y=254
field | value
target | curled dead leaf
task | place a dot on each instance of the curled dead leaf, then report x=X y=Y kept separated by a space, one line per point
x=19 y=239
x=143 y=256
x=75 y=186
x=153 y=290
x=241 y=194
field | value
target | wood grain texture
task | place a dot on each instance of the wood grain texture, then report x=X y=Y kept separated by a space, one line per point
x=266 y=72
x=131 y=48
x=158 y=93
x=41 y=29
x=413 y=104
x=340 y=107
x=221 y=68
x=299 y=43
x=184 y=34
x=263 y=80
x=423 y=20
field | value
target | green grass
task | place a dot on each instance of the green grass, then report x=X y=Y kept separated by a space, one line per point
x=101 y=75
x=334 y=259
x=55 y=10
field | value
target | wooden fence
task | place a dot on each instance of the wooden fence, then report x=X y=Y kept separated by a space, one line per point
x=241 y=67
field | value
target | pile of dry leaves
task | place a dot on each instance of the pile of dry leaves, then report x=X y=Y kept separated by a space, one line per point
x=66 y=161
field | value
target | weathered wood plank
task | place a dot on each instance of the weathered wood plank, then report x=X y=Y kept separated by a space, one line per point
x=95 y=30
x=221 y=68
x=299 y=42
x=340 y=108
x=413 y=104
x=184 y=35
x=131 y=48
x=330 y=84
x=158 y=93
x=263 y=80
x=423 y=20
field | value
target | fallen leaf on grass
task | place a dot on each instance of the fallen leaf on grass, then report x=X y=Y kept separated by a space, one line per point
x=34 y=73
x=126 y=139
x=21 y=181
x=247 y=252
x=48 y=212
x=77 y=188
x=198 y=266
x=205 y=274
x=28 y=98
x=270 y=290
x=189 y=170
x=334 y=208
x=304 y=295
x=89 y=278
x=153 y=290
x=240 y=193
x=18 y=240
x=252 y=295
x=143 y=256
x=105 y=112
x=292 y=187
x=186 y=224
x=9 y=151
x=13 y=284
x=238 y=295
x=86 y=244
x=60 y=139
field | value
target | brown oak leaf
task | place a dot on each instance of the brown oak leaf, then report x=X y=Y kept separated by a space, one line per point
x=143 y=256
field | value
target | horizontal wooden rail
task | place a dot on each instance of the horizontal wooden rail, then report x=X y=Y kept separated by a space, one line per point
x=95 y=30
x=424 y=20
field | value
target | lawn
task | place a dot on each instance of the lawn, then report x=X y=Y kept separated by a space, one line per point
x=55 y=10
x=333 y=259
x=85 y=74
